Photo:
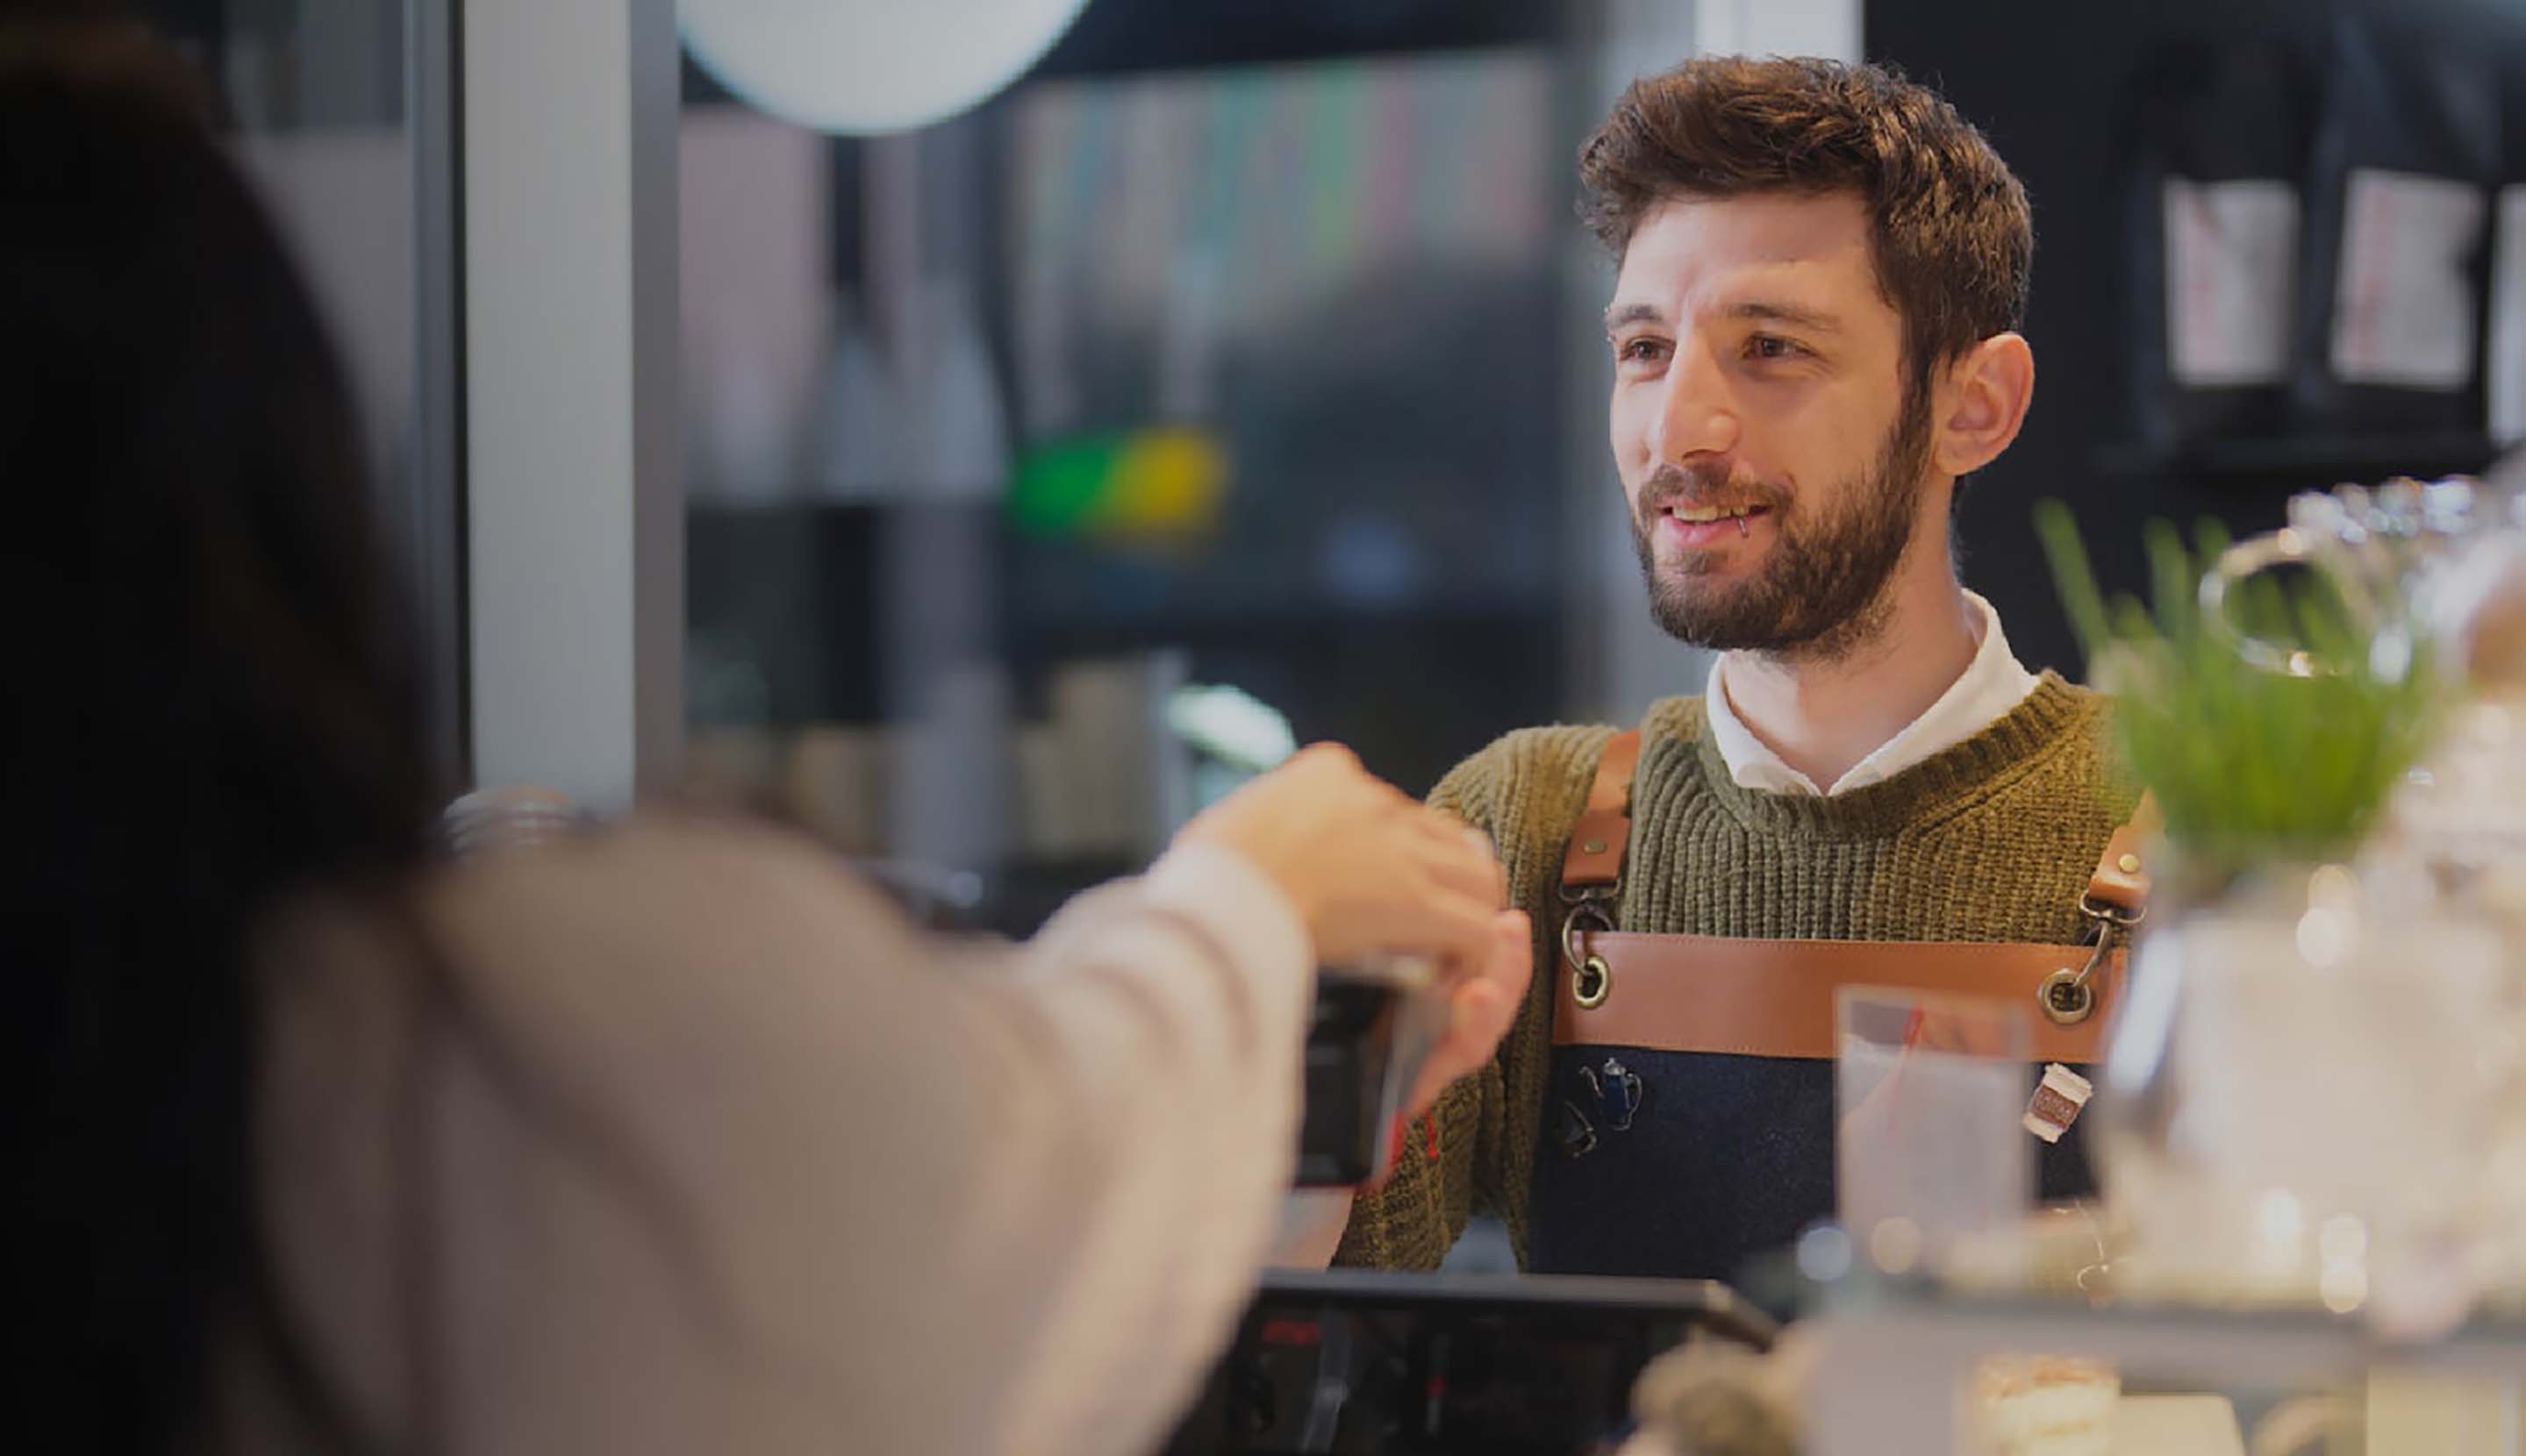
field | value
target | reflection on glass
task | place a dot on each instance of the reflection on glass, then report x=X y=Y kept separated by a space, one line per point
x=1013 y=443
x=314 y=90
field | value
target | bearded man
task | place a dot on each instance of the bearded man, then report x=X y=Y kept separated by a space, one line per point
x=1821 y=269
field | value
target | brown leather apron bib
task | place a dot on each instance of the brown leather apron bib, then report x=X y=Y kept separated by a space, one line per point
x=1775 y=998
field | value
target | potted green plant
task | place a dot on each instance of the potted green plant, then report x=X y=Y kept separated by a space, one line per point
x=2247 y=765
x=2290 y=1106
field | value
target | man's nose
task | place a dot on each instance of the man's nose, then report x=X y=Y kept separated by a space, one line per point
x=1697 y=417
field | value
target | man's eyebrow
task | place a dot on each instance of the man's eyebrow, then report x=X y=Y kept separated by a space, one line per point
x=1755 y=310
x=1765 y=311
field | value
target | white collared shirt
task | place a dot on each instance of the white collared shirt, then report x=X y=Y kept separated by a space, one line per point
x=1993 y=684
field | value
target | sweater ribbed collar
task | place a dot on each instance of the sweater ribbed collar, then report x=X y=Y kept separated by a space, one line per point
x=1679 y=754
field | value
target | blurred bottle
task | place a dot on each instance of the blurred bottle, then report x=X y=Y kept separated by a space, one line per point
x=854 y=441
x=737 y=450
x=959 y=449
x=953 y=793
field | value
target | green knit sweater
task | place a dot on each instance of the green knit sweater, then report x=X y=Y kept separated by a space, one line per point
x=1991 y=839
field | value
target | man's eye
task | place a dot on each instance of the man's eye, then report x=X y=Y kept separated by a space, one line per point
x=1639 y=351
x=1771 y=346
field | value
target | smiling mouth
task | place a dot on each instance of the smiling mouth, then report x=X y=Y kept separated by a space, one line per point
x=1711 y=515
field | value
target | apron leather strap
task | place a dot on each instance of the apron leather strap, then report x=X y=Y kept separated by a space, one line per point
x=1594 y=860
x=1775 y=998
x=1706 y=994
x=2121 y=883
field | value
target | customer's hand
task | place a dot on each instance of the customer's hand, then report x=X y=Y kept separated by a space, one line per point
x=1483 y=1001
x=1368 y=868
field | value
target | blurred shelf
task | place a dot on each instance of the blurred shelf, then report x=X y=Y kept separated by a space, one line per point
x=1119 y=37
x=1282 y=621
x=804 y=502
x=731 y=542
x=2314 y=462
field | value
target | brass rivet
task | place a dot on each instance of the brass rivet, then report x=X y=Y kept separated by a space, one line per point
x=2129 y=864
x=2065 y=1000
x=1592 y=846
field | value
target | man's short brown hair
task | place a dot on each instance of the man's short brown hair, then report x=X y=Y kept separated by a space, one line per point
x=1952 y=241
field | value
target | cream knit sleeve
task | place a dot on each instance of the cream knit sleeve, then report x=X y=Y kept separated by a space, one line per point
x=828 y=1184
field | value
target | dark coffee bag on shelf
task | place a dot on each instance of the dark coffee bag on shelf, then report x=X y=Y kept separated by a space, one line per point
x=2216 y=139
x=2391 y=301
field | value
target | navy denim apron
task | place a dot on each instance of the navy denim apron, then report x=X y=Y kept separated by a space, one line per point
x=1686 y=1165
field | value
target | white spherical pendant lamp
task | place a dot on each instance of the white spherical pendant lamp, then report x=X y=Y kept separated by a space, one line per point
x=865 y=67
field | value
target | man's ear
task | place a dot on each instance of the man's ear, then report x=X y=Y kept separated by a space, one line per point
x=1982 y=403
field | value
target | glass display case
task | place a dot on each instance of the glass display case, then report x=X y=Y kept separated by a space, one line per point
x=1901 y=1367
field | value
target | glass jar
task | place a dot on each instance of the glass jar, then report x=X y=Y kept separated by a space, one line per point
x=2301 y=1094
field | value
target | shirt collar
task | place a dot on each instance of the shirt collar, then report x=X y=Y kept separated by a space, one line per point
x=1993 y=684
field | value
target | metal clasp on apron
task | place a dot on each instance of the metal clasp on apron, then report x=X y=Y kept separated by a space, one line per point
x=2065 y=995
x=1591 y=979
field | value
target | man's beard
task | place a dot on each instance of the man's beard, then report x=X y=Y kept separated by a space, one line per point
x=1822 y=592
